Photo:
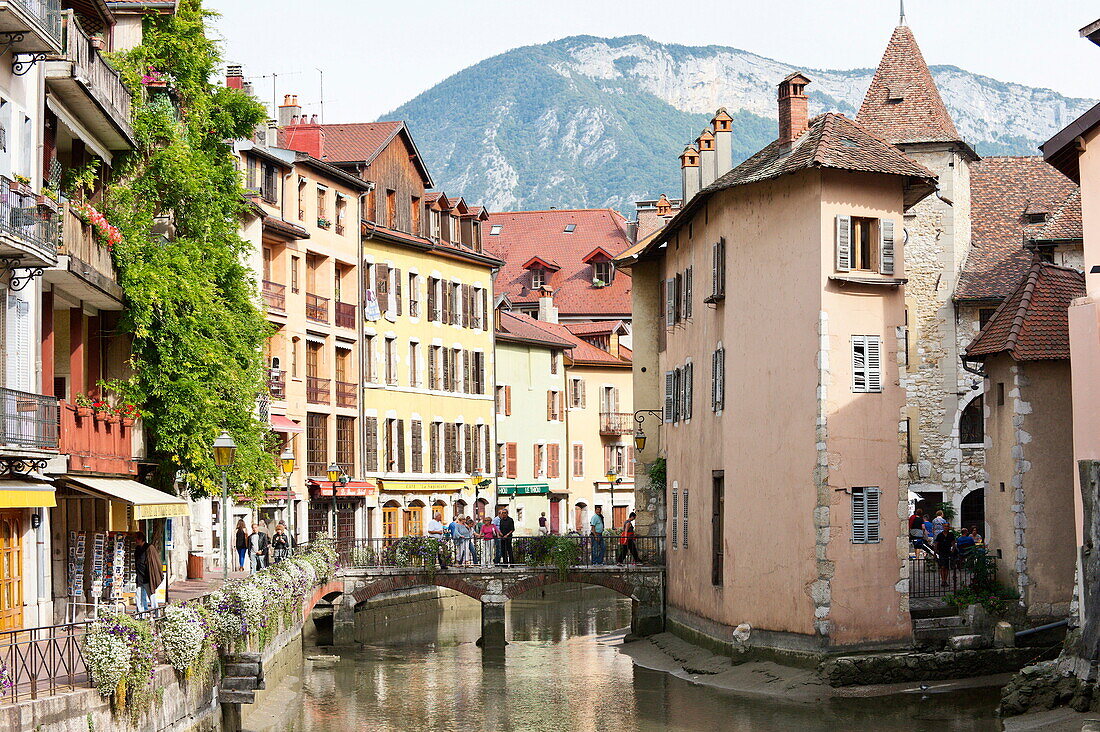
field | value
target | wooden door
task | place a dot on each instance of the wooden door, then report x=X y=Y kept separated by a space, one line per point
x=618 y=516
x=555 y=517
x=11 y=569
x=390 y=516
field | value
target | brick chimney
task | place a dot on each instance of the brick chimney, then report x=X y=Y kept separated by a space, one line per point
x=722 y=124
x=689 y=172
x=793 y=109
x=613 y=344
x=234 y=76
x=547 y=312
x=288 y=109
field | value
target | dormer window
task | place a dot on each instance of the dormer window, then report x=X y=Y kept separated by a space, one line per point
x=538 y=278
x=604 y=272
x=1035 y=217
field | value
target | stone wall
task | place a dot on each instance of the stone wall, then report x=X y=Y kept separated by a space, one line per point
x=887 y=668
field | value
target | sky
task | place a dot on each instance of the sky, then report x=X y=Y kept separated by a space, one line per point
x=371 y=56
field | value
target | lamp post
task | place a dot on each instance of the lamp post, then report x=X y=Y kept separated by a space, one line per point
x=612 y=478
x=225 y=449
x=287 y=460
x=336 y=477
x=639 y=418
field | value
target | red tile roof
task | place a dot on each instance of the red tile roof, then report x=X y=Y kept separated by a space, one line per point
x=527 y=234
x=1002 y=189
x=361 y=142
x=524 y=327
x=581 y=352
x=1065 y=223
x=1033 y=322
x=903 y=104
x=601 y=327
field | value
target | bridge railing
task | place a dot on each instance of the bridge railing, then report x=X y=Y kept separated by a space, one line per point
x=531 y=551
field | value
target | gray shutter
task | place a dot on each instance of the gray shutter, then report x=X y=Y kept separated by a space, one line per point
x=687 y=291
x=675 y=517
x=684 y=516
x=715 y=284
x=721 y=379
x=859 y=363
x=722 y=266
x=871 y=513
x=677 y=393
x=843 y=243
x=859 y=517
x=670 y=302
x=400 y=425
x=670 y=385
x=874 y=363
x=689 y=371
x=886 y=247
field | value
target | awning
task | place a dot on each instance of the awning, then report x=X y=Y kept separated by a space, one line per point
x=411 y=486
x=148 y=503
x=26 y=494
x=524 y=489
x=280 y=423
x=352 y=489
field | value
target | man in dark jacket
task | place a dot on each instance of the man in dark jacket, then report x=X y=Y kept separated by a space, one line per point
x=507 y=529
x=148 y=571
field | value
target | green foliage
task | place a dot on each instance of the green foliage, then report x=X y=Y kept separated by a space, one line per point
x=197 y=332
x=561 y=552
x=948 y=510
x=997 y=599
x=657 y=474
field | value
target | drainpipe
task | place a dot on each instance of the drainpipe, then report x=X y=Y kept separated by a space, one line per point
x=360 y=335
x=568 y=444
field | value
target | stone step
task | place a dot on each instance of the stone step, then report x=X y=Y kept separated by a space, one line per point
x=950 y=621
x=241 y=668
x=236 y=697
x=241 y=683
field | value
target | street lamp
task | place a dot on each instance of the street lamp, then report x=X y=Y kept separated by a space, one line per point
x=639 y=439
x=613 y=478
x=639 y=418
x=225 y=449
x=336 y=477
x=287 y=460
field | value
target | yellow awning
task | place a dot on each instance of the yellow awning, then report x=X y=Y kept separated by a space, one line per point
x=26 y=494
x=412 y=486
x=148 y=503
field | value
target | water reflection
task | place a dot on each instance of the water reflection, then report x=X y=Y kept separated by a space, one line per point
x=561 y=671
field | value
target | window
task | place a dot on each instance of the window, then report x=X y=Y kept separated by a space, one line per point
x=391 y=209
x=414 y=295
x=570 y=228
x=865 y=518
x=322 y=207
x=414 y=364
x=316 y=444
x=972 y=423
x=416 y=433
x=864 y=244
x=435 y=446
x=414 y=214
x=294 y=264
x=576 y=391
x=494 y=230
x=477 y=369
x=866 y=364
x=294 y=357
x=1000 y=394
x=717 y=532
x=504 y=400
x=717 y=271
x=984 y=314
x=553 y=406
x=718 y=380
x=604 y=272
x=368 y=359
x=539 y=461
x=434 y=225
x=578 y=461
x=391 y=361
x=553 y=362
x=345 y=444
x=370 y=445
x=538 y=278
x=341 y=213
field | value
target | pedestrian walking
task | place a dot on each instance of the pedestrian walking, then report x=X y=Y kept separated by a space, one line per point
x=148 y=573
x=627 y=543
x=281 y=544
x=436 y=531
x=241 y=544
x=944 y=544
x=543 y=528
x=258 y=544
x=488 y=540
x=507 y=528
x=596 y=530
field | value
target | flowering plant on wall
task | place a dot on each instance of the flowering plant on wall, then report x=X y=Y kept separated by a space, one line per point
x=6 y=682
x=183 y=634
x=127 y=411
x=109 y=235
x=119 y=652
x=102 y=407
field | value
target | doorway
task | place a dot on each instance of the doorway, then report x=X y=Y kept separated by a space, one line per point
x=11 y=569
x=555 y=516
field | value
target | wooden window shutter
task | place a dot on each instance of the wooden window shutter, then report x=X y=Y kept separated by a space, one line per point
x=688 y=277
x=536 y=459
x=570 y=393
x=448 y=449
x=469 y=310
x=859 y=516
x=874 y=363
x=431 y=367
x=431 y=298
x=549 y=406
x=886 y=246
x=465 y=371
x=370 y=449
x=843 y=243
x=382 y=285
x=670 y=401
x=445 y=293
x=507 y=400
x=578 y=461
x=401 y=446
x=670 y=302
x=488 y=449
x=552 y=460
x=470 y=452
x=397 y=290
x=630 y=460
x=416 y=465
x=584 y=393
x=511 y=459
x=607 y=458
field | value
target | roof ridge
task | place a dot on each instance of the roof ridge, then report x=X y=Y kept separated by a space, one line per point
x=1024 y=306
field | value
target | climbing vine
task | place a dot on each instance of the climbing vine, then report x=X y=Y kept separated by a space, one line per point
x=198 y=334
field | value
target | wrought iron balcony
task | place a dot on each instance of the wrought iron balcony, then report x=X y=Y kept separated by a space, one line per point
x=28 y=229
x=316 y=308
x=274 y=296
x=28 y=420
x=616 y=423
x=345 y=315
x=276 y=383
x=318 y=390
x=345 y=394
x=34 y=25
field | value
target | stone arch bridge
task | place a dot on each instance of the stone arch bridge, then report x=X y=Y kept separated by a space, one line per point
x=494 y=586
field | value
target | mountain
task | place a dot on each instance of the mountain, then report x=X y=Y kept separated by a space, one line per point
x=590 y=122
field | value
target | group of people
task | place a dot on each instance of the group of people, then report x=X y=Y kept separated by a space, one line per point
x=935 y=538
x=260 y=548
x=474 y=542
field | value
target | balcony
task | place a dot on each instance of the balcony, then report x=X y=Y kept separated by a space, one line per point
x=97 y=443
x=345 y=394
x=28 y=229
x=318 y=390
x=35 y=25
x=274 y=296
x=276 y=383
x=88 y=86
x=616 y=423
x=345 y=315
x=316 y=308
x=87 y=270
x=28 y=420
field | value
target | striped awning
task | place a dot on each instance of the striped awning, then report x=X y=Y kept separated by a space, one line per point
x=148 y=503
x=26 y=494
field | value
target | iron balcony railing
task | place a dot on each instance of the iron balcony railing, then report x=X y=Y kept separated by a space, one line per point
x=276 y=383
x=318 y=390
x=22 y=218
x=345 y=394
x=274 y=295
x=42 y=661
x=28 y=420
x=927 y=580
x=345 y=315
x=616 y=423
x=316 y=308
x=47 y=13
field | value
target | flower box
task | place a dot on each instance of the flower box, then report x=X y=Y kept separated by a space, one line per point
x=112 y=419
x=84 y=411
x=127 y=422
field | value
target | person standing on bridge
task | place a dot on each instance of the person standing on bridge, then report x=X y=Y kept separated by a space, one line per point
x=598 y=546
x=488 y=533
x=507 y=528
x=627 y=545
x=462 y=541
x=435 y=531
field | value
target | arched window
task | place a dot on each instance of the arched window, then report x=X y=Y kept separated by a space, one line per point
x=972 y=423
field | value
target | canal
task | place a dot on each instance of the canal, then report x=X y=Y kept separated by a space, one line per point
x=563 y=670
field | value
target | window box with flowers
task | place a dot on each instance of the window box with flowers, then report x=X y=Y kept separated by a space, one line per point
x=108 y=234
x=127 y=413
x=83 y=404
x=324 y=223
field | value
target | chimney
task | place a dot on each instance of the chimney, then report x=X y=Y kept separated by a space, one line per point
x=547 y=312
x=313 y=120
x=664 y=206
x=234 y=77
x=689 y=171
x=793 y=109
x=722 y=124
x=271 y=133
x=705 y=143
x=613 y=344
x=288 y=109
x=305 y=137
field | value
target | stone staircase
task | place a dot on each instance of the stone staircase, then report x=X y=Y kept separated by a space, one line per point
x=939 y=629
x=242 y=676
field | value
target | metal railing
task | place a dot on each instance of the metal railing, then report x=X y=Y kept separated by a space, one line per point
x=43 y=661
x=926 y=579
x=23 y=218
x=616 y=423
x=318 y=390
x=102 y=80
x=531 y=551
x=345 y=315
x=45 y=12
x=28 y=420
x=345 y=394
x=316 y=308
x=274 y=295
x=276 y=383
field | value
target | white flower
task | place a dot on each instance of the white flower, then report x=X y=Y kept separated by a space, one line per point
x=107 y=658
x=182 y=635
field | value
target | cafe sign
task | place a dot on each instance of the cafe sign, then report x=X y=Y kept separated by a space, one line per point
x=524 y=489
